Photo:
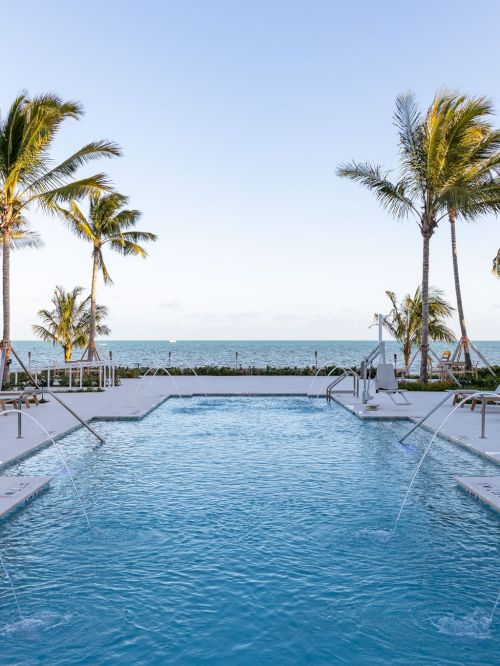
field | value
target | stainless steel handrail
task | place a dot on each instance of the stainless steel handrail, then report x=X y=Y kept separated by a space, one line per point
x=40 y=389
x=348 y=372
x=470 y=394
x=22 y=394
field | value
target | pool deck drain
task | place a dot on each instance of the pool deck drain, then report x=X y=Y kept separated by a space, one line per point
x=17 y=491
x=484 y=488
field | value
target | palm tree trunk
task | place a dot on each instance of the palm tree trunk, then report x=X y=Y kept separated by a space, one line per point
x=424 y=349
x=6 y=300
x=93 y=290
x=460 y=308
x=68 y=352
x=407 y=354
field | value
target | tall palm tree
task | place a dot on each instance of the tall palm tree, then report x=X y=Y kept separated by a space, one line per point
x=404 y=321
x=68 y=323
x=22 y=236
x=472 y=166
x=28 y=178
x=431 y=157
x=496 y=265
x=108 y=223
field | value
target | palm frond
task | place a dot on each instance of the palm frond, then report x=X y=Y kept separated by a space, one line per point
x=392 y=196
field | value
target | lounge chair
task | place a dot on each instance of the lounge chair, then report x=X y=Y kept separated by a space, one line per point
x=12 y=398
x=489 y=399
x=386 y=382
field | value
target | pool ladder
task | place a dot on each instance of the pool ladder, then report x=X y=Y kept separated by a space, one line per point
x=331 y=388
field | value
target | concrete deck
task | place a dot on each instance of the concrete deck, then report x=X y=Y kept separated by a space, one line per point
x=15 y=491
x=135 y=398
x=484 y=488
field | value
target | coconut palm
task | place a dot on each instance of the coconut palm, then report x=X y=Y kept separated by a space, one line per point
x=404 y=321
x=496 y=265
x=68 y=323
x=472 y=172
x=27 y=176
x=23 y=237
x=432 y=146
x=108 y=223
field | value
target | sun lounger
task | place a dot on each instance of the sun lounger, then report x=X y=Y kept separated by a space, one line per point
x=386 y=382
x=488 y=399
x=12 y=398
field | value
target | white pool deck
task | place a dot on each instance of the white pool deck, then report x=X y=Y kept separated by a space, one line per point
x=135 y=399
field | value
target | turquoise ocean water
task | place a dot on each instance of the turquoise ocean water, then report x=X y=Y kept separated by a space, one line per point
x=247 y=353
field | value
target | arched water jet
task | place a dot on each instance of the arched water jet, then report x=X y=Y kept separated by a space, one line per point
x=58 y=449
x=325 y=365
x=11 y=583
x=433 y=439
x=198 y=379
x=156 y=370
x=495 y=607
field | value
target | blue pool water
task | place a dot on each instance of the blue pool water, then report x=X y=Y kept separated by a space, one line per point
x=251 y=531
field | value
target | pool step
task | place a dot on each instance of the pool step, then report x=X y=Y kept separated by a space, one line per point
x=484 y=488
x=16 y=491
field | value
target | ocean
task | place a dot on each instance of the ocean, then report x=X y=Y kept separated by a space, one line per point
x=232 y=353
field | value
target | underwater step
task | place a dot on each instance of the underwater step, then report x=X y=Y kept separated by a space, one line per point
x=16 y=491
x=484 y=488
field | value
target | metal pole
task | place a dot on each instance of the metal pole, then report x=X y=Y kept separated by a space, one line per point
x=19 y=426
x=483 y=417
x=419 y=423
x=61 y=402
x=381 y=337
x=482 y=358
x=447 y=370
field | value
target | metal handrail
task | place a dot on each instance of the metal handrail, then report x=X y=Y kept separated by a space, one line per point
x=22 y=394
x=40 y=389
x=348 y=372
x=470 y=394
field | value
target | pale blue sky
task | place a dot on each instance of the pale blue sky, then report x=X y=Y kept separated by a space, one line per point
x=233 y=116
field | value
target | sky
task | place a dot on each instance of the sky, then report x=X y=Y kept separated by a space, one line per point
x=233 y=116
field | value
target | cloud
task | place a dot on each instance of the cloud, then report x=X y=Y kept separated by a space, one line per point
x=174 y=306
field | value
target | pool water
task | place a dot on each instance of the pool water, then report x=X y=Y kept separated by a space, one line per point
x=251 y=531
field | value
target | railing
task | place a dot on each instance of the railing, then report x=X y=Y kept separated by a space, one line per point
x=31 y=392
x=348 y=372
x=469 y=394
x=105 y=371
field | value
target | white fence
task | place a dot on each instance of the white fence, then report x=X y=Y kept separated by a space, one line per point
x=102 y=374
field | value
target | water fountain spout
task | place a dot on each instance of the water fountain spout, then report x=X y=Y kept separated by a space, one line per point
x=58 y=449
x=325 y=365
x=12 y=587
x=156 y=370
x=433 y=439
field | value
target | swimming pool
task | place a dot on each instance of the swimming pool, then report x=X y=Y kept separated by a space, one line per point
x=251 y=531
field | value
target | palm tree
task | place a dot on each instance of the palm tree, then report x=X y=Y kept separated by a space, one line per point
x=472 y=174
x=431 y=165
x=22 y=237
x=68 y=323
x=404 y=322
x=496 y=265
x=27 y=177
x=108 y=223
